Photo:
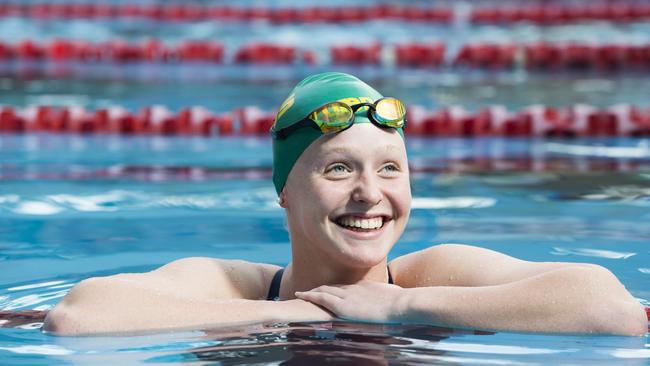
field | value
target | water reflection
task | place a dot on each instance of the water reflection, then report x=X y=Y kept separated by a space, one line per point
x=327 y=343
x=343 y=343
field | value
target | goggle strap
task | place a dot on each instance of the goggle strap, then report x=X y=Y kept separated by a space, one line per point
x=283 y=133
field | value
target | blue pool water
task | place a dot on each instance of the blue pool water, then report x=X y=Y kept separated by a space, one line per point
x=74 y=207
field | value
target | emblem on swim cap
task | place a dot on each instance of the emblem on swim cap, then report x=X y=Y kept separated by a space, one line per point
x=285 y=106
x=308 y=95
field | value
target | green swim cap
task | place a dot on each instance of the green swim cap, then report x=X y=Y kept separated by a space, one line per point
x=311 y=93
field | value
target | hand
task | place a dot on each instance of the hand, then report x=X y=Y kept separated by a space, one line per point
x=365 y=301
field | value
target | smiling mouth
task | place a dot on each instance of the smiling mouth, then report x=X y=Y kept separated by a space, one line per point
x=356 y=223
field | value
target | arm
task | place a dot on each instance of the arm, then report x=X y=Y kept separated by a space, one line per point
x=189 y=293
x=469 y=287
x=566 y=300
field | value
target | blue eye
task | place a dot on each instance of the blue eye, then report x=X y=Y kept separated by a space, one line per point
x=337 y=169
x=391 y=168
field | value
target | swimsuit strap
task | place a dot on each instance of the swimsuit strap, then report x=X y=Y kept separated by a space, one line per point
x=274 y=290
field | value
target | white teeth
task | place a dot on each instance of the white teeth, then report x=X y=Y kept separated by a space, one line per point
x=373 y=223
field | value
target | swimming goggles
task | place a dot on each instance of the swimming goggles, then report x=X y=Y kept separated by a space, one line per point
x=337 y=116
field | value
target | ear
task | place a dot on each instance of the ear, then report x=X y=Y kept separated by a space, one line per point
x=282 y=199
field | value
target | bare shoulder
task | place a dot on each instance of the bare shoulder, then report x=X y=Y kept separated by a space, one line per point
x=464 y=265
x=209 y=278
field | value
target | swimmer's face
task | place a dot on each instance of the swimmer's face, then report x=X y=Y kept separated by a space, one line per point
x=348 y=197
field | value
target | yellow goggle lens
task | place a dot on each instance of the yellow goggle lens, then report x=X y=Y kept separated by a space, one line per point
x=333 y=117
x=390 y=111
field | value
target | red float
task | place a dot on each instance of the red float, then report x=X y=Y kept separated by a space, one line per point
x=602 y=123
x=356 y=55
x=283 y=15
x=420 y=55
x=488 y=56
x=261 y=53
x=543 y=56
x=28 y=50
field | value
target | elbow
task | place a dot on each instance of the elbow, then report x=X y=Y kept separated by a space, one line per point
x=612 y=309
x=636 y=320
x=620 y=317
x=61 y=321
x=67 y=318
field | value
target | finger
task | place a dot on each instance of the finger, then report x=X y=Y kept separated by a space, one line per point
x=324 y=299
x=334 y=290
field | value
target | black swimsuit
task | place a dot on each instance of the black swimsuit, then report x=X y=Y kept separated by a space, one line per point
x=274 y=290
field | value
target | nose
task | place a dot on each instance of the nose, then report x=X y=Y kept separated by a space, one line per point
x=368 y=189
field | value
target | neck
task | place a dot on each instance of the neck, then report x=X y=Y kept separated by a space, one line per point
x=310 y=270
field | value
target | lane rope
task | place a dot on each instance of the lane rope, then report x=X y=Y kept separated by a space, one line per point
x=495 y=120
x=544 y=56
x=540 y=13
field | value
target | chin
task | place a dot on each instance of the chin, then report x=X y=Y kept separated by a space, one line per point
x=363 y=255
x=363 y=249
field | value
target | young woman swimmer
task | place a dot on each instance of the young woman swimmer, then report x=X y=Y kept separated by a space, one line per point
x=341 y=172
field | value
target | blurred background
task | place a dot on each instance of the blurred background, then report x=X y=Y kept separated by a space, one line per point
x=228 y=55
x=134 y=133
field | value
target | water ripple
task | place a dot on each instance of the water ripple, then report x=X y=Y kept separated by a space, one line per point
x=37 y=296
x=28 y=301
x=452 y=202
x=587 y=252
x=36 y=208
x=494 y=349
x=90 y=203
x=470 y=361
x=631 y=353
x=35 y=285
x=45 y=349
x=622 y=152
x=622 y=193
x=9 y=198
x=120 y=200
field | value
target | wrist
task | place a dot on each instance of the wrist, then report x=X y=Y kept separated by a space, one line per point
x=402 y=306
x=297 y=310
x=416 y=305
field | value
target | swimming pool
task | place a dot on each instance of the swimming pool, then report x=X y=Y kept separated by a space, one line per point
x=73 y=207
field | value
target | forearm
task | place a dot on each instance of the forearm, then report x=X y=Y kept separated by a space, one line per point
x=123 y=308
x=570 y=300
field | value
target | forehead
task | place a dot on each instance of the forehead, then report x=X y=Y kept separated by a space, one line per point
x=360 y=138
x=349 y=150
